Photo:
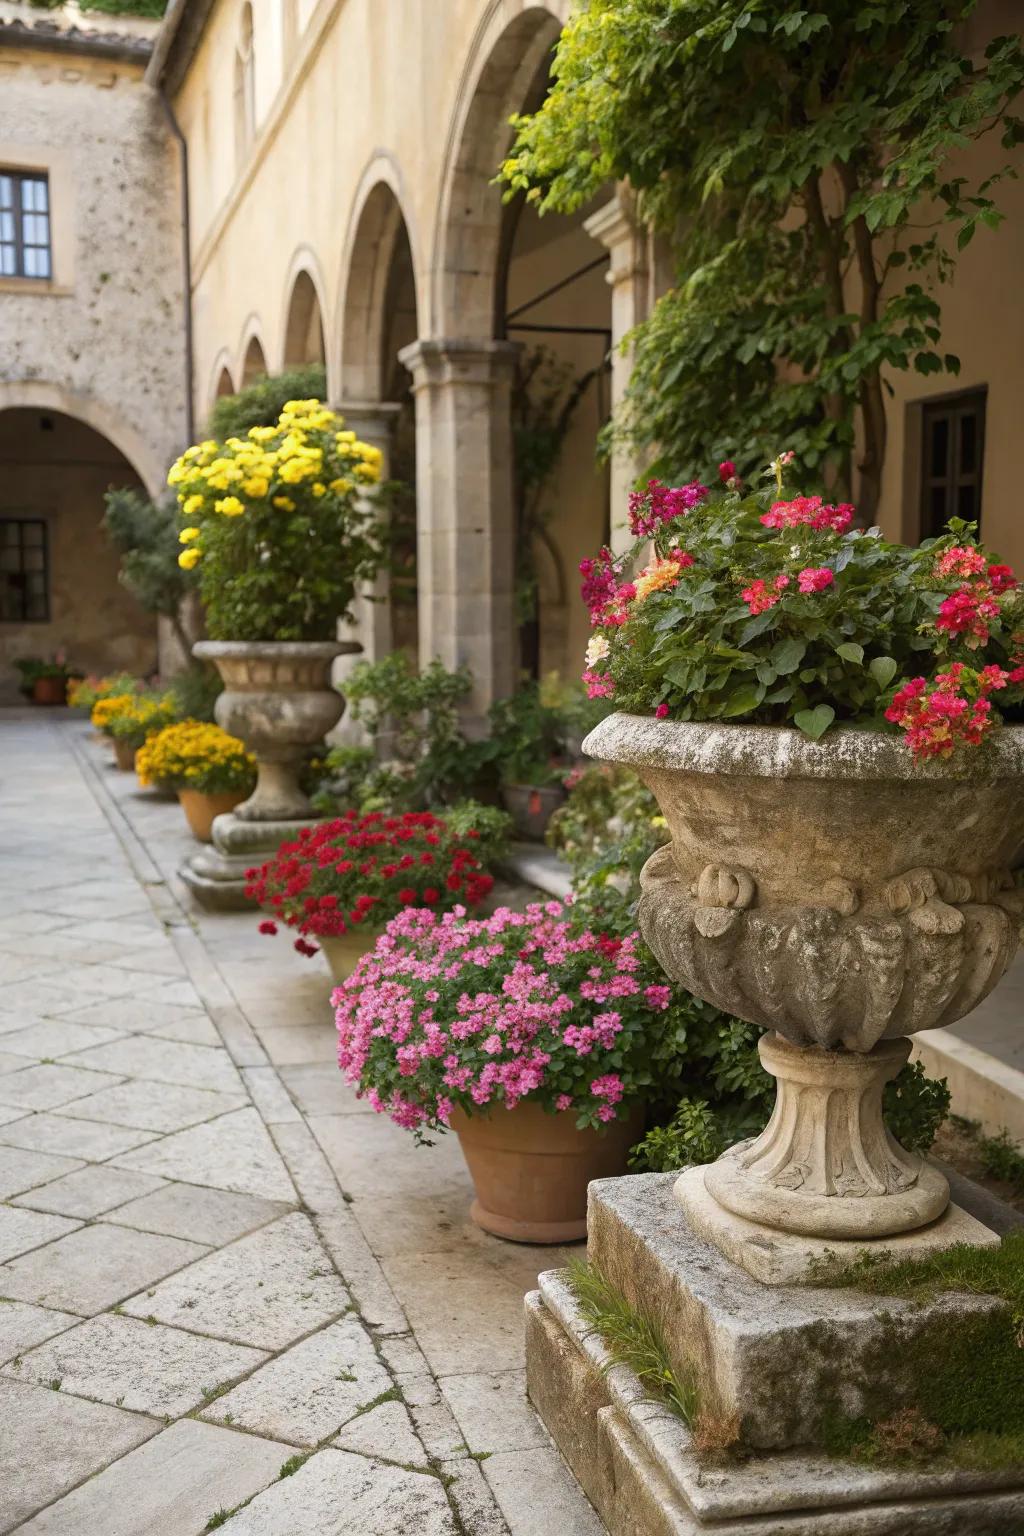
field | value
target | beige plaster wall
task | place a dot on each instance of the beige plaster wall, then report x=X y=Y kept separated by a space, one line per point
x=57 y=469
x=105 y=340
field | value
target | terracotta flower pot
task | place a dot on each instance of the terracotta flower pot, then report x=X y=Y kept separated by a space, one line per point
x=842 y=896
x=344 y=951
x=532 y=808
x=531 y=1170
x=124 y=755
x=200 y=809
x=49 y=690
x=279 y=700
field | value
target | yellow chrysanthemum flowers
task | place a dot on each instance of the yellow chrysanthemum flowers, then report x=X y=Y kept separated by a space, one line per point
x=189 y=558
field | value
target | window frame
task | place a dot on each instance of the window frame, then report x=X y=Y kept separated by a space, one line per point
x=955 y=407
x=19 y=176
x=21 y=521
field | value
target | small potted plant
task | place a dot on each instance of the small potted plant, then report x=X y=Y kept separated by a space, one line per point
x=128 y=718
x=210 y=771
x=341 y=881
x=527 y=746
x=44 y=681
x=536 y=1038
x=281 y=531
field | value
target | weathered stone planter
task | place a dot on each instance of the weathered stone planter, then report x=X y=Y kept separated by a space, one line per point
x=279 y=701
x=843 y=896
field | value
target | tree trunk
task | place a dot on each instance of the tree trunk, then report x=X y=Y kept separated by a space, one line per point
x=874 y=426
x=835 y=405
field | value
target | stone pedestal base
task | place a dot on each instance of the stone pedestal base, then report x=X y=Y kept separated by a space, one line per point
x=771 y=1361
x=216 y=876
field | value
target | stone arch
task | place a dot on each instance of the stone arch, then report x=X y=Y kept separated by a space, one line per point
x=304 y=323
x=508 y=58
x=221 y=380
x=379 y=232
x=108 y=422
x=253 y=364
x=244 y=84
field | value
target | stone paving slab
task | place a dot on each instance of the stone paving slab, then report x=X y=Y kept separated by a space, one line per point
x=267 y=1289
x=151 y=1106
x=233 y=1152
x=385 y=1432
x=162 y=1061
x=90 y=1191
x=71 y=1138
x=51 y=1087
x=307 y=1393
x=93 y=1268
x=171 y=1486
x=50 y=1443
x=56 y=1037
x=338 y=1494
x=22 y=1231
x=21 y=1169
x=22 y=1325
x=132 y=1014
x=136 y=1365
x=202 y=1215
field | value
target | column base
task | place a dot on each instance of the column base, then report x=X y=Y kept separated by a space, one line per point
x=770 y=1368
x=216 y=875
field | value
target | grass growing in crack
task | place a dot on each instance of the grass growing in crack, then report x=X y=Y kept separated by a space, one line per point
x=219 y=1517
x=392 y=1395
x=1000 y=1155
x=632 y=1338
x=294 y=1463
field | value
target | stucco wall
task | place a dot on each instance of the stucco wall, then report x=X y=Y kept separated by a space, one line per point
x=105 y=340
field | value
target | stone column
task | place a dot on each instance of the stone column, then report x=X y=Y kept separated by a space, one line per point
x=464 y=510
x=614 y=227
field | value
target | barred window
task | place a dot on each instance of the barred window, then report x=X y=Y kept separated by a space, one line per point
x=24 y=571
x=25 y=225
x=953 y=451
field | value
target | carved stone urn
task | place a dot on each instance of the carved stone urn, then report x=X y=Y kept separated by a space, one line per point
x=278 y=699
x=841 y=896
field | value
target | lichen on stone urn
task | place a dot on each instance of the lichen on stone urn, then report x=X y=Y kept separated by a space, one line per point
x=842 y=896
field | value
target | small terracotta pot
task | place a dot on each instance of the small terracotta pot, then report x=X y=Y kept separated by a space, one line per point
x=200 y=809
x=124 y=755
x=530 y=1169
x=49 y=690
x=344 y=951
x=531 y=808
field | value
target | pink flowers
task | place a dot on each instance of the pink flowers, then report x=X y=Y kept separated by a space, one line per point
x=809 y=512
x=960 y=561
x=815 y=578
x=449 y=1011
x=599 y=685
x=965 y=612
x=657 y=504
x=759 y=597
x=661 y=713
x=940 y=716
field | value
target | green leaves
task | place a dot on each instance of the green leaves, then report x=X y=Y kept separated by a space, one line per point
x=850 y=651
x=814 y=722
x=883 y=669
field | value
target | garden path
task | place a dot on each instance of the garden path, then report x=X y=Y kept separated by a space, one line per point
x=216 y=1266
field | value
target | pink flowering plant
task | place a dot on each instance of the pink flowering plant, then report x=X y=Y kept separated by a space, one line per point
x=762 y=606
x=481 y=1014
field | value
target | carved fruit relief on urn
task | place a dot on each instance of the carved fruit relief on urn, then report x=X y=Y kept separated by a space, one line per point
x=843 y=897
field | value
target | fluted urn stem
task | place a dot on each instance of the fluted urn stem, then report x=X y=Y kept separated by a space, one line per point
x=825 y=1165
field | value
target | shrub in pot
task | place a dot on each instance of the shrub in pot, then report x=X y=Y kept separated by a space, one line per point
x=281 y=532
x=44 y=681
x=536 y=1038
x=128 y=718
x=818 y=713
x=527 y=746
x=210 y=771
x=341 y=881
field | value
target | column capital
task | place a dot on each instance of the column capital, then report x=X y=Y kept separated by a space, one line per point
x=615 y=223
x=459 y=360
x=373 y=420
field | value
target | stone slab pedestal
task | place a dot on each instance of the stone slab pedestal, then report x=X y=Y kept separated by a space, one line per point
x=216 y=876
x=771 y=1358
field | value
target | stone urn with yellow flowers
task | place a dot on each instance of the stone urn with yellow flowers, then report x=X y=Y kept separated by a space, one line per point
x=281 y=532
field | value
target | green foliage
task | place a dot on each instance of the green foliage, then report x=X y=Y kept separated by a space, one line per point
x=632 y=1338
x=487 y=828
x=195 y=693
x=33 y=668
x=149 y=8
x=145 y=535
x=528 y=738
x=413 y=717
x=999 y=1155
x=783 y=149
x=606 y=831
x=915 y=1106
x=260 y=404
x=972 y=1389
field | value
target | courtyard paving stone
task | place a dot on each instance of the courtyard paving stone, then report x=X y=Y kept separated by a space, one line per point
x=209 y=1228
x=60 y=1441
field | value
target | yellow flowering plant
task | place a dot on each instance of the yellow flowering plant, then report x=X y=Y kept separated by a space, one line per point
x=278 y=525
x=131 y=717
x=195 y=755
x=86 y=691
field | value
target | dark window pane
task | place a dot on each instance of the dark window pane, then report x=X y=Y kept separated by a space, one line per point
x=938 y=505
x=24 y=580
x=967 y=502
x=24 y=226
x=939 y=456
x=968 y=444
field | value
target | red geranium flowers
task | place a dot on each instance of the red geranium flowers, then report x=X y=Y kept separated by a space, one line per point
x=360 y=871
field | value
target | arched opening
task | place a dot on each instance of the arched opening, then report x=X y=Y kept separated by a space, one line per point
x=304 y=331
x=506 y=275
x=244 y=85
x=224 y=385
x=380 y=318
x=58 y=571
x=254 y=363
